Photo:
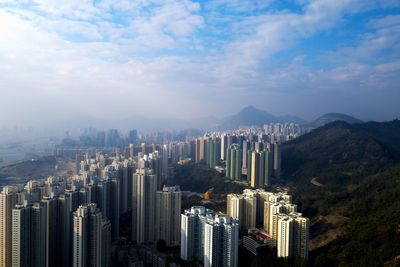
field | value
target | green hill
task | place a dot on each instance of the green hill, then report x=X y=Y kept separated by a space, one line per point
x=372 y=233
x=339 y=153
x=347 y=180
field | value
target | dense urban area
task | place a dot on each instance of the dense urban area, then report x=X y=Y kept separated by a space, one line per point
x=118 y=201
x=258 y=196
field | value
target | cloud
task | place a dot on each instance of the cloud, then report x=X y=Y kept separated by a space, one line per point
x=183 y=58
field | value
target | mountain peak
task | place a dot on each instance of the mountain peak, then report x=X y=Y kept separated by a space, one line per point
x=251 y=109
x=252 y=116
x=331 y=117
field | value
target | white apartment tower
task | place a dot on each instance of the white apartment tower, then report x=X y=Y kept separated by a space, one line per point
x=192 y=232
x=285 y=234
x=221 y=237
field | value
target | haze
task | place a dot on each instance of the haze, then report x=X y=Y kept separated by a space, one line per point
x=75 y=60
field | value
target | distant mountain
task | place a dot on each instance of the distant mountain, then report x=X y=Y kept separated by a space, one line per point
x=331 y=117
x=251 y=116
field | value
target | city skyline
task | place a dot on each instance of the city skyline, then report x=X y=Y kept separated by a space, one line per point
x=116 y=201
x=306 y=58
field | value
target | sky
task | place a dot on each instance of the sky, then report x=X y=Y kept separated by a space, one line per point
x=112 y=59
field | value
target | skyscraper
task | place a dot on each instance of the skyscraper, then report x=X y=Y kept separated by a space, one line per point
x=234 y=162
x=21 y=236
x=285 y=234
x=301 y=228
x=259 y=168
x=234 y=207
x=38 y=234
x=293 y=235
x=245 y=207
x=245 y=149
x=55 y=231
x=8 y=200
x=143 y=206
x=28 y=235
x=192 y=232
x=111 y=205
x=276 y=203
x=213 y=152
x=92 y=237
x=168 y=211
x=224 y=146
x=221 y=240
x=165 y=162
x=277 y=160
x=201 y=148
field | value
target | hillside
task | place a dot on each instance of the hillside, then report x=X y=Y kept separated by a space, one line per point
x=347 y=179
x=340 y=152
x=372 y=234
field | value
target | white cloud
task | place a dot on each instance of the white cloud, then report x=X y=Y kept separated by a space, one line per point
x=132 y=56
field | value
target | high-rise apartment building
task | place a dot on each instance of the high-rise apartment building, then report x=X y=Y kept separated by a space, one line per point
x=211 y=240
x=192 y=232
x=245 y=148
x=201 y=148
x=8 y=200
x=259 y=168
x=234 y=162
x=276 y=203
x=91 y=237
x=293 y=235
x=29 y=235
x=168 y=213
x=277 y=160
x=285 y=234
x=143 y=206
x=246 y=207
x=243 y=208
x=234 y=206
x=221 y=241
x=224 y=146
x=38 y=234
x=301 y=232
x=213 y=152
x=21 y=236
x=55 y=231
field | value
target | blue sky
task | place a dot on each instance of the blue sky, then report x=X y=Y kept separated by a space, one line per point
x=187 y=59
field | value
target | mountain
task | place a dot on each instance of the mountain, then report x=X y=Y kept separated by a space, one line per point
x=331 y=117
x=251 y=116
x=346 y=179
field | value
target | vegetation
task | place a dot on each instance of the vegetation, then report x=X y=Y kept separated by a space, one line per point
x=340 y=153
x=358 y=173
x=199 y=178
x=268 y=258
